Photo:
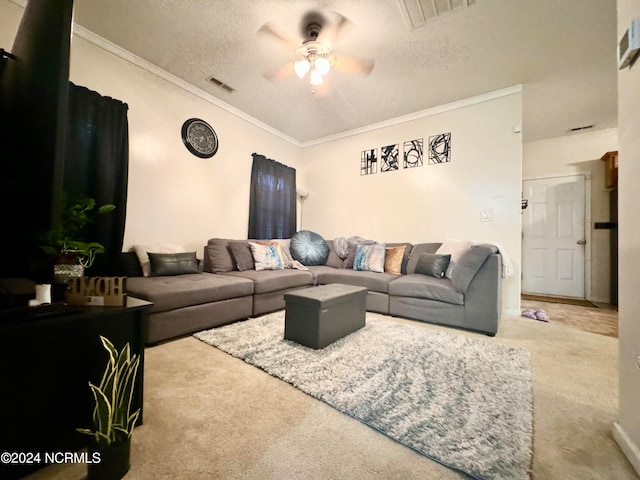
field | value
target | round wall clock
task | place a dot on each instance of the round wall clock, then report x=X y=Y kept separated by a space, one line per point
x=199 y=138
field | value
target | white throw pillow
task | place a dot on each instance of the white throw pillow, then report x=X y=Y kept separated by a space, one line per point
x=265 y=257
x=143 y=258
x=455 y=248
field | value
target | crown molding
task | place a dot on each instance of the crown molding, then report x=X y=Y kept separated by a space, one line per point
x=105 y=44
x=485 y=97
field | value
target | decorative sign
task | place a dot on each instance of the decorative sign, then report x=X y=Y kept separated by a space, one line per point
x=440 y=148
x=413 y=153
x=97 y=291
x=389 y=158
x=369 y=161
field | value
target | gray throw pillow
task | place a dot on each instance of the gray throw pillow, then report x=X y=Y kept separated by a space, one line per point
x=165 y=264
x=433 y=264
x=241 y=252
x=309 y=248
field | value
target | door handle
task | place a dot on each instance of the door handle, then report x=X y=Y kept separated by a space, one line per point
x=581 y=242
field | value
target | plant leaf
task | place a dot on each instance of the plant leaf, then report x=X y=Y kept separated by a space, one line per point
x=132 y=421
x=106 y=208
x=104 y=411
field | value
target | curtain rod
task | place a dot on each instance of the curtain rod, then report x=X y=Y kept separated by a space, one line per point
x=4 y=53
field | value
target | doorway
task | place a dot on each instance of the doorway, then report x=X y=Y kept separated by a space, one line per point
x=553 y=236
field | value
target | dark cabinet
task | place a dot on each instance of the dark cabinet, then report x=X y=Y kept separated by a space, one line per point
x=610 y=160
x=45 y=366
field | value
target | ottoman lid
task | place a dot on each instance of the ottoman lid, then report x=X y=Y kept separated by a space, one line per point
x=325 y=295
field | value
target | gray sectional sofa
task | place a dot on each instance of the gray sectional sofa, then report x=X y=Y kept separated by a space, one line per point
x=221 y=293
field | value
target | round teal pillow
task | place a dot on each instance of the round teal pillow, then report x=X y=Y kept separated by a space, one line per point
x=309 y=248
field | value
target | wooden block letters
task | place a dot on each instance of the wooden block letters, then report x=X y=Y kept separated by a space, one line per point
x=97 y=291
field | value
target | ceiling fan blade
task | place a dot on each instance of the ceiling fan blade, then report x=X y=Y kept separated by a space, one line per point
x=353 y=65
x=284 y=71
x=331 y=33
x=268 y=31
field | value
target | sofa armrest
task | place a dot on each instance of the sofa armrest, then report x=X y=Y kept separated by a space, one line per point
x=483 y=298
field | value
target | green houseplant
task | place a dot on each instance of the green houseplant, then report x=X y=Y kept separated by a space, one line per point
x=63 y=239
x=113 y=421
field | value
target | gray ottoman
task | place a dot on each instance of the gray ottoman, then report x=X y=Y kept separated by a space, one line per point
x=318 y=316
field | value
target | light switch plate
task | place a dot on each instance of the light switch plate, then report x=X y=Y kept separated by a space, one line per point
x=486 y=215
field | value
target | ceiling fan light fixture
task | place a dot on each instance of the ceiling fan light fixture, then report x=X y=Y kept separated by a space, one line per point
x=316 y=77
x=302 y=67
x=322 y=65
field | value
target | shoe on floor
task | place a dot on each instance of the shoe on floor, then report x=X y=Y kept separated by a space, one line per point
x=541 y=315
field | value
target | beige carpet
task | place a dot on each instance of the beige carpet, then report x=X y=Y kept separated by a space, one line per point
x=210 y=416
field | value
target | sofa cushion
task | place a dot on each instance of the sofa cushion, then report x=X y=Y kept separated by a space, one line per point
x=469 y=264
x=241 y=253
x=309 y=248
x=169 y=293
x=219 y=258
x=173 y=263
x=433 y=264
x=425 y=286
x=455 y=248
x=370 y=258
x=266 y=281
x=375 y=282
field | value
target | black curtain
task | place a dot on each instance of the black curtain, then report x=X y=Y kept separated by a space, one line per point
x=272 y=200
x=97 y=165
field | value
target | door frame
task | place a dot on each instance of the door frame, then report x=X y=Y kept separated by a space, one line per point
x=587 y=226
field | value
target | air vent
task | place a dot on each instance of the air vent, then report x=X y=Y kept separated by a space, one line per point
x=578 y=129
x=222 y=85
x=418 y=12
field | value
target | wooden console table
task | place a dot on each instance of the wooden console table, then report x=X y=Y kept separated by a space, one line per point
x=46 y=363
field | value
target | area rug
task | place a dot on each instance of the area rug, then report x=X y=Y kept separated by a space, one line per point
x=459 y=400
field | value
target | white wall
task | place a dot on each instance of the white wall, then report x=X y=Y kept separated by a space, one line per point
x=627 y=429
x=175 y=197
x=580 y=154
x=432 y=202
x=10 y=16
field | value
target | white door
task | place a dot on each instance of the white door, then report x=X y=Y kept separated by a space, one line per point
x=553 y=237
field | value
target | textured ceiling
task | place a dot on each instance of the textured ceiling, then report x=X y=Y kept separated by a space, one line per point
x=563 y=52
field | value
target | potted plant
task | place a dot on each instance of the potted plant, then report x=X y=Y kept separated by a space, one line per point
x=72 y=255
x=113 y=421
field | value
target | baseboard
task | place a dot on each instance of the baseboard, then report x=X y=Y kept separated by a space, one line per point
x=630 y=449
x=599 y=300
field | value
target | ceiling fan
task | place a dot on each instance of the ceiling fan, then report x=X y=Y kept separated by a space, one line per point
x=315 y=56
